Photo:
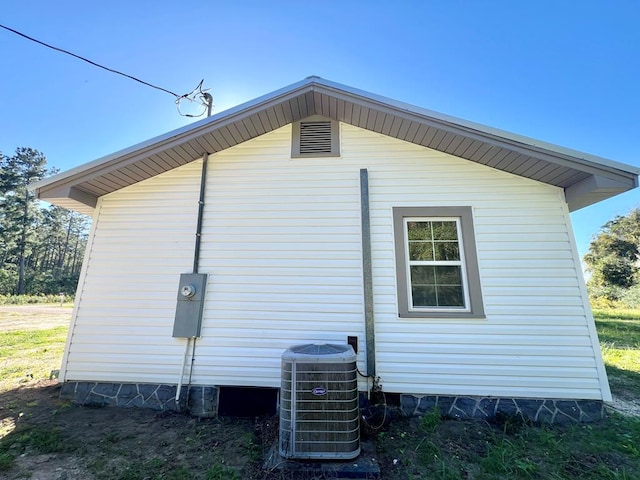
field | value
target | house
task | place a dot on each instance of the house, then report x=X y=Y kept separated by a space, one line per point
x=442 y=250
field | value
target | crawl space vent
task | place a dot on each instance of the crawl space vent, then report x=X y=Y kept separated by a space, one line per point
x=315 y=137
x=319 y=414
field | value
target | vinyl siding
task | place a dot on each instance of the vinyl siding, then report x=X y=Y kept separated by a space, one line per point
x=536 y=340
x=142 y=239
x=281 y=244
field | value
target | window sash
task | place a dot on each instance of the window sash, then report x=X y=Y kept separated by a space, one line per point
x=459 y=263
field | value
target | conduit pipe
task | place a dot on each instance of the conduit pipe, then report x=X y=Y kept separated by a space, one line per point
x=196 y=262
x=184 y=361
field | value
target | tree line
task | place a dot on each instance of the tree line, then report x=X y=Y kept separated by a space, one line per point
x=41 y=245
x=613 y=261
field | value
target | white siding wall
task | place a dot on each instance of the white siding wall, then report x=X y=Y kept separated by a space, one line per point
x=281 y=243
x=142 y=239
x=536 y=339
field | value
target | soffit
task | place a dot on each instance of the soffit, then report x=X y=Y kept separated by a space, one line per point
x=501 y=150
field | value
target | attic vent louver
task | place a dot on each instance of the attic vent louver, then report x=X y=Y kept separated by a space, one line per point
x=315 y=137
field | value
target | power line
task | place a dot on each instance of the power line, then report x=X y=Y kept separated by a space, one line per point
x=177 y=97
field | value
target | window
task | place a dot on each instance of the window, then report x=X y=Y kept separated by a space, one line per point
x=436 y=262
x=315 y=136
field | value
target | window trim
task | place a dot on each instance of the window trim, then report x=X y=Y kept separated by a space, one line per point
x=471 y=272
x=465 y=308
x=335 y=138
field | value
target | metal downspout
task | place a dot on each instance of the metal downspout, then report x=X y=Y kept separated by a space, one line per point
x=367 y=273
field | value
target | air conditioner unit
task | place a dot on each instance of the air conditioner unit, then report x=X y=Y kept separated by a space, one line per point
x=319 y=414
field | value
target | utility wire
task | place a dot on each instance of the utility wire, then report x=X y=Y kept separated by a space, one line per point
x=178 y=97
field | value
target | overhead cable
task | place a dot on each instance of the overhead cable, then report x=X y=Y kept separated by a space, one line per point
x=200 y=94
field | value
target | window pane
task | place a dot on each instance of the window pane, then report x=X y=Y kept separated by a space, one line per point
x=449 y=275
x=420 y=251
x=430 y=242
x=419 y=230
x=445 y=231
x=450 y=296
x=447 y=251
x=423 y=275
x=424 y=296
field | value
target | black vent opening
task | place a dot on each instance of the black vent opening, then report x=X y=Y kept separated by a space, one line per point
x=247 y=401
x=315 y=137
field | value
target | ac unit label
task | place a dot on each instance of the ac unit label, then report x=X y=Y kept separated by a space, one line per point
x=319 y=391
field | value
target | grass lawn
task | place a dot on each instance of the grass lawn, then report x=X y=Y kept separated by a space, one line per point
x=39 y=433
x=619 y=334
x=31 y=354
x=32 y=339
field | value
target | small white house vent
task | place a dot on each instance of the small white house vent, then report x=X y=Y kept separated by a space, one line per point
x=319 y=414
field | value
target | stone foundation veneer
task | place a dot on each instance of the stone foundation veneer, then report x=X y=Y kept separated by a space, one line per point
x=536 y=410
x=203 y=401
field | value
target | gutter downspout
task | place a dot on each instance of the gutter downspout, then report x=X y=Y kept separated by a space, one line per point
x=367 y=274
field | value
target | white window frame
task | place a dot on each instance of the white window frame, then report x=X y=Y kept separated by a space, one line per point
x=462 y=215
x=458 y=263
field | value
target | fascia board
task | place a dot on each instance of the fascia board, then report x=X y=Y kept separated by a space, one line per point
x=555 y=153
x=164 y=141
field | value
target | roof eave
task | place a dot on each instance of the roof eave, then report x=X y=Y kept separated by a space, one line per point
x=181 y=134
x=594 y=189
x=591 y=178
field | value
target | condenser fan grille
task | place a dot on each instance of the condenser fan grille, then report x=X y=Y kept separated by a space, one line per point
x=319 y=414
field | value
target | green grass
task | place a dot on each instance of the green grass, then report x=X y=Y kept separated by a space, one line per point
x=6 y=461
x=41 y=439
x=30 y=355
x=222 y=472
x=471 y=449
x=619 y=334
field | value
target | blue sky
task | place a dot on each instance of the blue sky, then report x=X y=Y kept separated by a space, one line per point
x=565 y=72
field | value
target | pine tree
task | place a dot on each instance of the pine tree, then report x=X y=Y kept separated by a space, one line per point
x=18 y=207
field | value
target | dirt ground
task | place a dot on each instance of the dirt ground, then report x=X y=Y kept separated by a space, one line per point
x=52 y=440
x=33 y=317
x=625 y=404
x=116 y=443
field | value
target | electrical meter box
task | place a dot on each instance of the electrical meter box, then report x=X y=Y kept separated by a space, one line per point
x=190 y=305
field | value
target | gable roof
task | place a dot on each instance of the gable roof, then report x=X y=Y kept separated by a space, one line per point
x=586 y=179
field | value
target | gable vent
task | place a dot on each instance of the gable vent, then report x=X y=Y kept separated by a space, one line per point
x=315 y=137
